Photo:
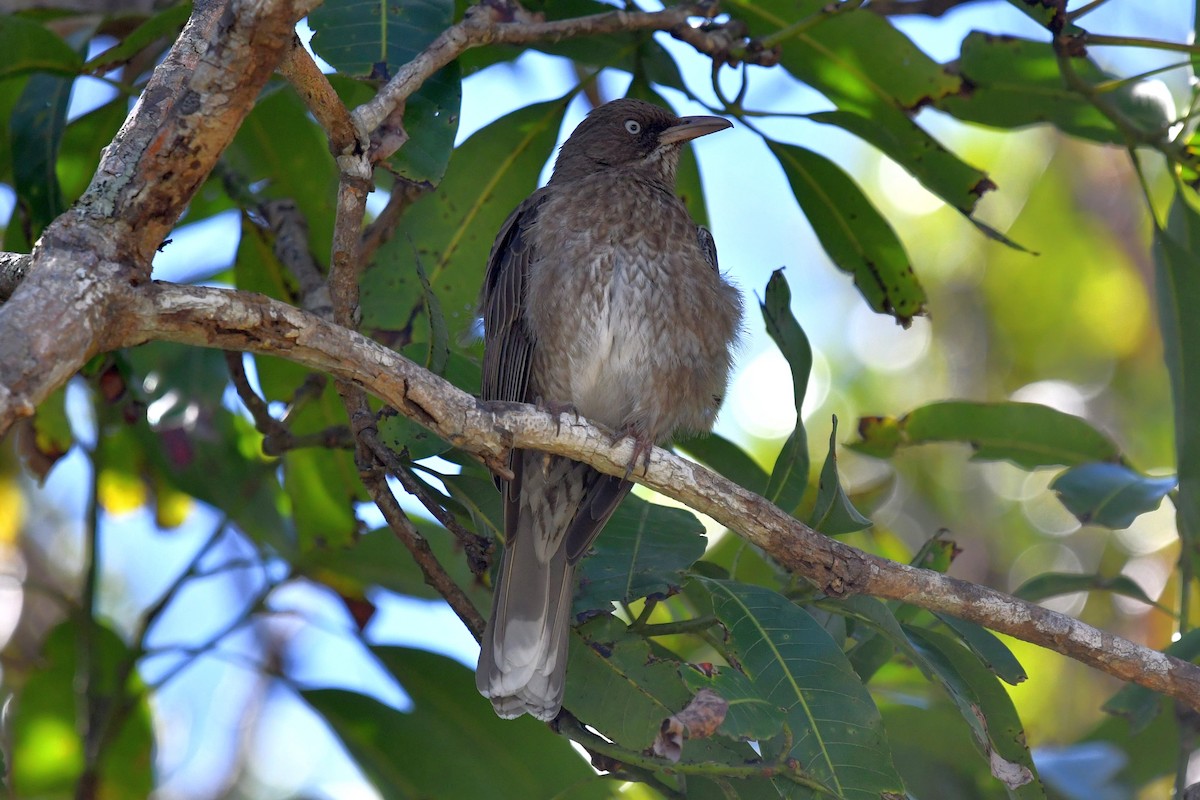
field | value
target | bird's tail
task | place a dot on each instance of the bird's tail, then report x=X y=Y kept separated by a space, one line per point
x=523 y=661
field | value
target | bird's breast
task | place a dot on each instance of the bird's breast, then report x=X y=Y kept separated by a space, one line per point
x=633 y=326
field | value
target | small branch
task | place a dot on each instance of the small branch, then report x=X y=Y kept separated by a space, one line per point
x=404 y=194
x=571 y=728
x=264 y=423
x=476 y=547
x=320 y=98
x=435 y=575
x=290 y=228
x=504 y=22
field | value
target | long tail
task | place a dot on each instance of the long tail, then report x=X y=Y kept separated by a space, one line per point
x=523 y=662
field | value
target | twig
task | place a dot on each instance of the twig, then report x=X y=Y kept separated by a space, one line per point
x=505 y=22
x=404 y=194
x=476 y=547
x=290 y=228
x=435 y=575
x=320 y=98
x=571 y=728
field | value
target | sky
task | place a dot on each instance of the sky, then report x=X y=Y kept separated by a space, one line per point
x=758 y=228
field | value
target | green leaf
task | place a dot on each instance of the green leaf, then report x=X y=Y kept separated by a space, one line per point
x=356 y=35
x=723 y=456
x=452 y=230
x=404 y=754
x=1012 y=82
x=1177 y=277
x=30 y=47
x=617 y=686
x=643 y=551
x=1111 y=495
x=46 y=740
x=988 y=647
x=987 y=708
x=750 y=716
x=1140 y=705
x=852 y=59
x=855 y=235
x=1027 y=434
x=37 y=125
x=789 y=476
x=284 y=155
x=165 y=25
x=1053 y=584
x=52 y=431
x=837 y=734
x=834 y=514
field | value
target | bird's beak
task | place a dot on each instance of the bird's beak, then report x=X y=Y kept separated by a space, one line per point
x=689 y=128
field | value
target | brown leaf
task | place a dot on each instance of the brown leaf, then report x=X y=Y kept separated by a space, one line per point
x=699 y=720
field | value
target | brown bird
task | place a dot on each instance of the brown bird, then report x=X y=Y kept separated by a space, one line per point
x=602 y=296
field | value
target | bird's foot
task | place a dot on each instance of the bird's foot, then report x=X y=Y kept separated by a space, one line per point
x=643 y=446
x=557 y=410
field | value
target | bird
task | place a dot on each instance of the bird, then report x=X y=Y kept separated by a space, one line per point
x=602 y=296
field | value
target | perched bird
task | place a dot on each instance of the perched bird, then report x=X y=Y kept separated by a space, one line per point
x=602 y=296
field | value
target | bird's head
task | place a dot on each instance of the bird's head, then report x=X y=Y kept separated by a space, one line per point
x=630 y=133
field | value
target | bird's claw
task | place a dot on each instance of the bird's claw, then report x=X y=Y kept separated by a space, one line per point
x=557 y=410
x=643 y=446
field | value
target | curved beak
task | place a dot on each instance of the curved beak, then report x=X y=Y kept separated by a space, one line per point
x=689 y=128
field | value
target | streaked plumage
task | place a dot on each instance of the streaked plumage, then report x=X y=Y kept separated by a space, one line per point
x=602 y=294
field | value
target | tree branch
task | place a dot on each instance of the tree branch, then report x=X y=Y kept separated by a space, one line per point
x=234 y=320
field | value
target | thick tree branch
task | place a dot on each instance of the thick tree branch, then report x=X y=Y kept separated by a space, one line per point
x=60 y=314
x=233 y=320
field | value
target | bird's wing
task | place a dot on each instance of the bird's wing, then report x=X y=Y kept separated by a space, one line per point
x=707 y=246
x=507 y=341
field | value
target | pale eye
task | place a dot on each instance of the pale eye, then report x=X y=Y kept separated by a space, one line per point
x=633 y=126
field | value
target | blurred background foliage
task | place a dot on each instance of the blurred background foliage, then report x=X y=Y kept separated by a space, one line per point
x=186 y=617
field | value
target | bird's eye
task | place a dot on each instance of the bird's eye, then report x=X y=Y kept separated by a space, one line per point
x=633 y=126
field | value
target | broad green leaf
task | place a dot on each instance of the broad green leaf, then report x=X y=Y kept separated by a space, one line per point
x=29 y=47
x=1014 y=82
x=1177 y=276
x=733 y=557
x=378 y=558
x=323 y=486
x=789 y=476
x=987 y=708
x=452 y=230
x=404 y=754
x=643 y=551
x=617 y=686
x=36 y=126
x=1053 y=584
x=723 y=456
x=1027 y=434
x=854 y=234
x=1140 y=705
x=282 y=153
x=164 y=26
x=750 y=716
x=937 y=553
x=475 y=492
x=44 y=726
x=988 y=647
x=834 y=514
x=852 y=59
x=362 y=38
x=356 y=35
x=837 y=734
x=1111 y=495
